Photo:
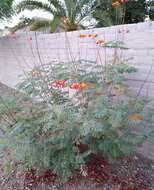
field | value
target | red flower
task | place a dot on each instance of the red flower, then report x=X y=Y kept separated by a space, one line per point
x=100 y=42
x=60 y=83
x=76 y=86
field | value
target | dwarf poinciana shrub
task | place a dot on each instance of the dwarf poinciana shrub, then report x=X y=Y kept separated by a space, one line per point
x=73 y=110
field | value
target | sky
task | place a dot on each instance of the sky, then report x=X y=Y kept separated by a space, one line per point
x=30 y=14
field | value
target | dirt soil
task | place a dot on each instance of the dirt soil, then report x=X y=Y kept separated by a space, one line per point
x=130 y=173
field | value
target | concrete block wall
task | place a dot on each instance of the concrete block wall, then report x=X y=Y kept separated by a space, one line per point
x=21 y=53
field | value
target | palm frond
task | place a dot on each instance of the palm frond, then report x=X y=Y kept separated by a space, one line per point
x=54 y=24
x=6 y=9
x=36 y=25
x=103 y=18
x=75 y=12
x=32 y=4
x=84 y=9
x=21 y=25
x=59 y=7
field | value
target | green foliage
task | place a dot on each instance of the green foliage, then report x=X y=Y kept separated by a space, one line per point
x=6 y=9
x=24 y=21
x=135 y=11
x=131 y=12
x=115 y=44
x=54 y=131
x=68 y=15
x=151 y=9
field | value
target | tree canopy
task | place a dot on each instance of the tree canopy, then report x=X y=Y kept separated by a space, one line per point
x=5 y=8
x=151 y=9
x=131 y=11
x=70 y=15
x=67 y=14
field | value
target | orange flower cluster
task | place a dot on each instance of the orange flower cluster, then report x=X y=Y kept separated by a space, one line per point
x=136 y=117
x=117 y=3
x=75 y=86
x=36 y=73
x=60 y=83
x=98 y=42
x=79 y=86
x=88 y=35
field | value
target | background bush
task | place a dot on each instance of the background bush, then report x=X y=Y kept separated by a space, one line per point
x=49 y=129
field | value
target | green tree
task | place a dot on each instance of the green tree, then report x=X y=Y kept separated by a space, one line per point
x=132 y=11
x=5 y=8
x=151 y=9
x=68 y=14
x=103 y=13
x=135 y=11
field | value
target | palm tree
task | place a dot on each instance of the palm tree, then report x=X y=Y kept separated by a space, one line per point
x=67 y=14
x=30 y=24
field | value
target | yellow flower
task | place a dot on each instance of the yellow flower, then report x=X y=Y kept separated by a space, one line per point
x=136 y=117
x=83 y=35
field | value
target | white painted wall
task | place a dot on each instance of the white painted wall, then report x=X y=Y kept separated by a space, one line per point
x=19 y=54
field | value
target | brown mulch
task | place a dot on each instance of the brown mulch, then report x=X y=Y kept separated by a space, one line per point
x=130 y=173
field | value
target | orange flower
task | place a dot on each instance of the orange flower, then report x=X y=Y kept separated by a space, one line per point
x=36 y=73
x=136 y=117
x=116 y=4
x=76 y=86
x=93 y=35
x=100 y=42
x=83 y=35
x=84 y=86
x=88 y=35
x=60 y=83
